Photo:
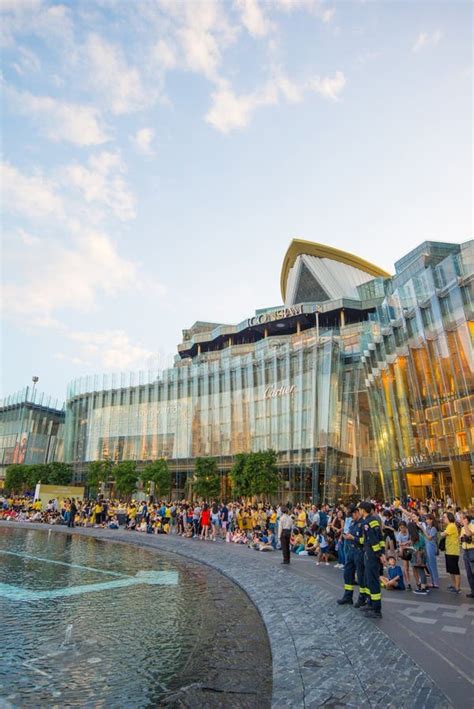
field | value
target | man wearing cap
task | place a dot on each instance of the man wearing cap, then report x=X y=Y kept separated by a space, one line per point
x=374 y=548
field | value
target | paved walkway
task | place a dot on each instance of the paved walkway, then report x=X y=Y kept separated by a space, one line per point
x=323 y=654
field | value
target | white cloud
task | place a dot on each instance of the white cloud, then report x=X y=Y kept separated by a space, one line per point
x=329 y=87
x=102 y=181
x=232 y=112
x=120 y=86
x=201 y=30
x=52 y=277
x=60 y=121
x=27 y=62
x=253 y=17
x=112 y=349
x=425 y=39
x=163 y=55
x=143 y=139
x=51 y=23
x=315 y=7
x=30 y=196
x=27 y=238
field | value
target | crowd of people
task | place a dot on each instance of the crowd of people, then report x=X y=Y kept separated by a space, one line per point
x=395 y=546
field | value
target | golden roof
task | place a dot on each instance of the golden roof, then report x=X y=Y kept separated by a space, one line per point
x=299 y=247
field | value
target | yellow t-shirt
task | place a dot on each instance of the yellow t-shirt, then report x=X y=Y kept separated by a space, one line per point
x=452 y=539
x=301 y=519
x=468 y=545
x=273 y=517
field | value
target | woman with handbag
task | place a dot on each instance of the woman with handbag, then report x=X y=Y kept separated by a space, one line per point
x=418 y=559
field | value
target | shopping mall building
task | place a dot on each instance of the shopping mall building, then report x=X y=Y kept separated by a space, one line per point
x=362 y=382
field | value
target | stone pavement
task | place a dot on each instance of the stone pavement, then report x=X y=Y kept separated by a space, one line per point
x=323 y=654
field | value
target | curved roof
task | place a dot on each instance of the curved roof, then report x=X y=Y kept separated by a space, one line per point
x=299 y=247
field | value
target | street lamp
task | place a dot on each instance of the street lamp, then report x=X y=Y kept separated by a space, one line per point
x=317 y=311
x=34 y=380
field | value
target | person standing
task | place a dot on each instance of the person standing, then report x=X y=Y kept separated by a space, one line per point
x=452 y=552
x=284 y=533
x=354 y=560
x=374 y=548
x=430 y=531
x=467 y=543
x=72 y=513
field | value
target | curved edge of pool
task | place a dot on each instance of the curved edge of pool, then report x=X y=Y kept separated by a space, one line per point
x=283 y=651
x=300 y=622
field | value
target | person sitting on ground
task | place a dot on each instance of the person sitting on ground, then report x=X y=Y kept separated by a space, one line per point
x=394 y=579
x=311 y=547
x=114 y=523
x=296 y=541
x=268 y=542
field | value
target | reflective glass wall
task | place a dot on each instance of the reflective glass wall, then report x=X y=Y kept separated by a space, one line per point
x=419 y=372
x=292 y=394
x=31 y=429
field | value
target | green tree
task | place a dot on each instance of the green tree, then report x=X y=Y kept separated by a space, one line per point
x=98 y=471
x=126 y=477
x=16 y=478
x=37 y=473
x=207 y=480
x=262 y=472
x=241 y=483
x=59 y=473
x=159 y=473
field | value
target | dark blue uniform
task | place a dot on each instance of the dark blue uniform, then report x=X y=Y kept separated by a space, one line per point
x=374 y=547
x=355 y=563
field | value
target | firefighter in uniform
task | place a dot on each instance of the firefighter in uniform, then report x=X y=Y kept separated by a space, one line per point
x=354 y=562
x=374 y=549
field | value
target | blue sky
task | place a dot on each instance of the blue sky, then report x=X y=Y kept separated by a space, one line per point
x=159 y=156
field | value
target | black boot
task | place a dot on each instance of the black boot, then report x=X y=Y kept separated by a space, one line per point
x=345 y=600
x=373 y=613
x=360 y=603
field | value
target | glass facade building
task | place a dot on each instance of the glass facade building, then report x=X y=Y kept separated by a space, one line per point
x=31 y=429
x=362 y=382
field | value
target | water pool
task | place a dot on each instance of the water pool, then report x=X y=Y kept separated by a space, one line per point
x=93 y=624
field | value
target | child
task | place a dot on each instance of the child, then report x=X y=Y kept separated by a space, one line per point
x=394 y=580
x=323 y=547
x=297 y=541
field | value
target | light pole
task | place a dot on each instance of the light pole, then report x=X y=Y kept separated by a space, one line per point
x=317 y=310
x=34 y=380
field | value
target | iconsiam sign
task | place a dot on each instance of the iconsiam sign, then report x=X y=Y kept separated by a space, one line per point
x=362 y=382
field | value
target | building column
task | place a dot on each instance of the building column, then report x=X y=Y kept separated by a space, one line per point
x=342 y=318
x=462 y=485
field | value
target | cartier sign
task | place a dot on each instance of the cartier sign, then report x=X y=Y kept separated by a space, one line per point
x=275 y=315
x=272 y=391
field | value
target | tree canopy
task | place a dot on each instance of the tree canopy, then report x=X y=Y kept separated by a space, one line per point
x=19 y=478
x=126 y=477
x=239 y=476
x=158 y=473
x=255 y=474
x=207 y=479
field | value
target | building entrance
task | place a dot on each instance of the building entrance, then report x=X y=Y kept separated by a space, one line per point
x=430 y=483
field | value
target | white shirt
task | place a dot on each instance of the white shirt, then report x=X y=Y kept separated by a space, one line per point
x=286 y=522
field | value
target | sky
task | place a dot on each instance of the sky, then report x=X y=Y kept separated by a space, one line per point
x=159 y=156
